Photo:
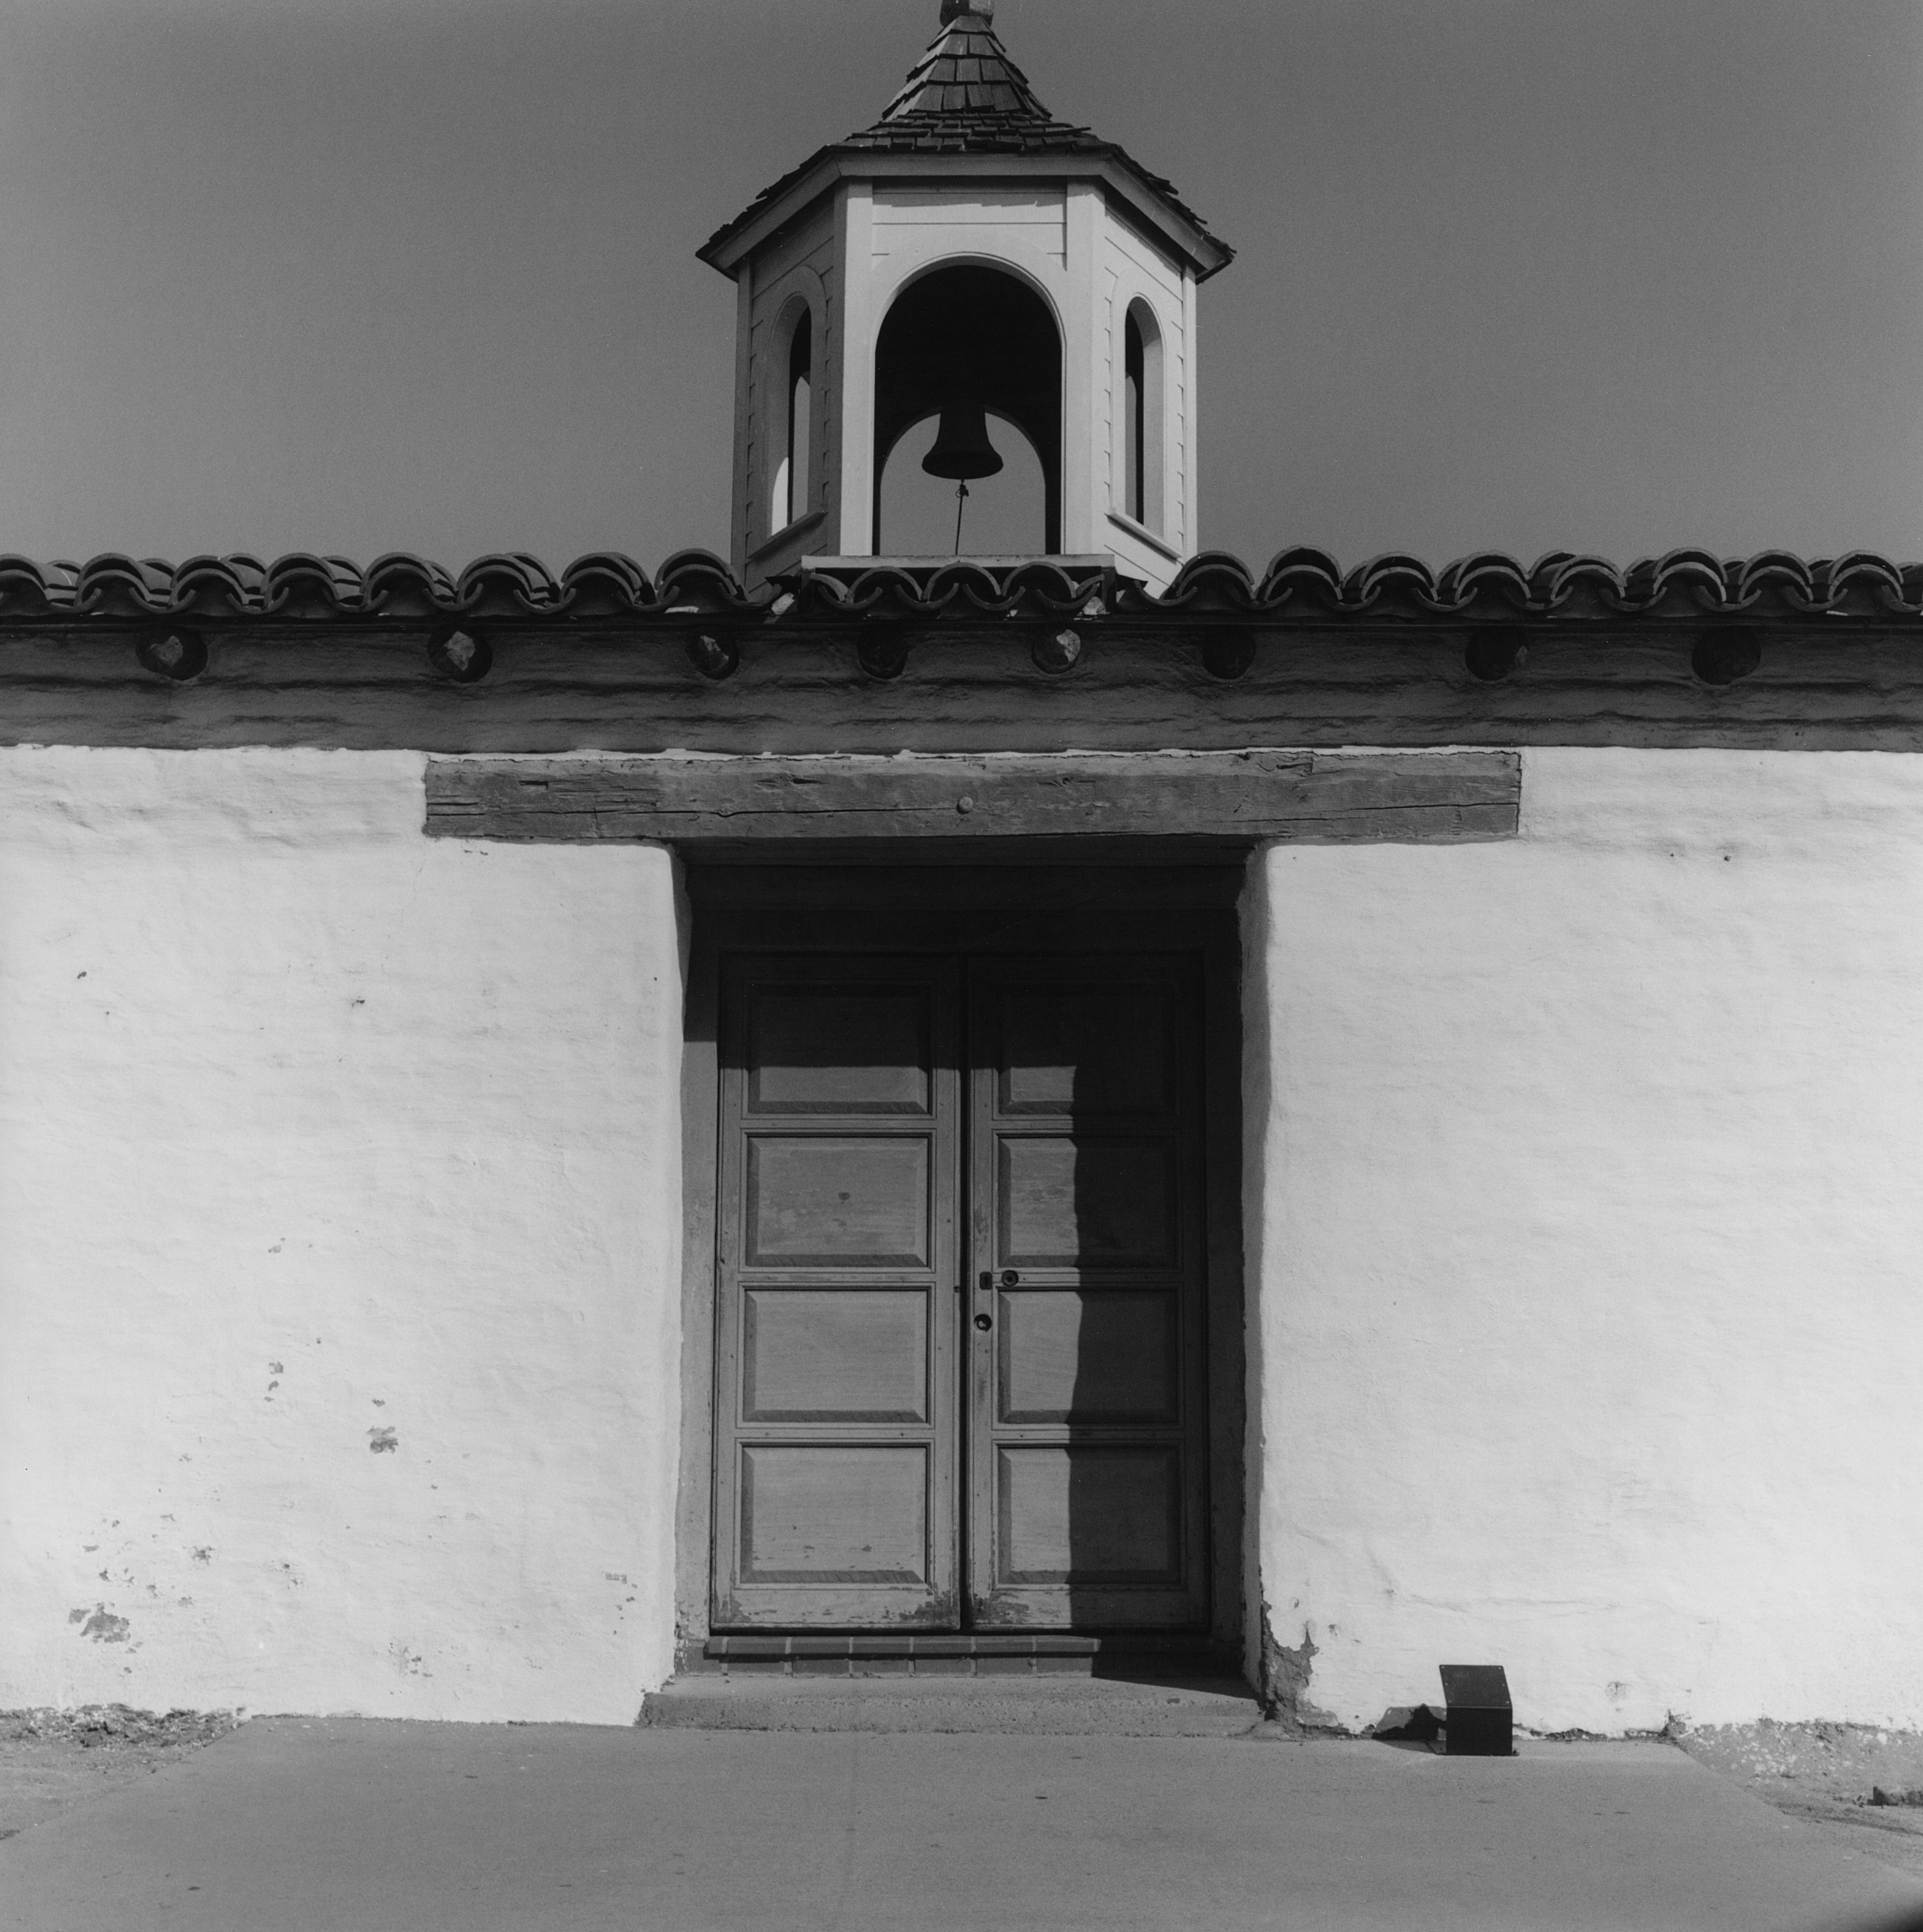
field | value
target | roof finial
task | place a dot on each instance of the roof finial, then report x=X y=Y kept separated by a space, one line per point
x=952 y=10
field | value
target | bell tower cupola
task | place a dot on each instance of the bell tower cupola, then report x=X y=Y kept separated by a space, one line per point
x=969 y=329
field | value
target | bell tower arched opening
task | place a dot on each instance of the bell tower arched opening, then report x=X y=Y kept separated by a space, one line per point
x=1007 y=518
x=963 y=343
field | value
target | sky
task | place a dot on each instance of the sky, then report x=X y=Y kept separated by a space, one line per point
x=354 y=276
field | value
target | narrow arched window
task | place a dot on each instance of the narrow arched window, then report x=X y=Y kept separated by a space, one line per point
x=1132 y=407
x=1141 y=477
x=791 y=480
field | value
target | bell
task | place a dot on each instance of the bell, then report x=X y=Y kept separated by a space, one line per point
x=962 y=448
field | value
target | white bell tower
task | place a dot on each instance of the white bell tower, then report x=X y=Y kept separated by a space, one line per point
x=966 y=254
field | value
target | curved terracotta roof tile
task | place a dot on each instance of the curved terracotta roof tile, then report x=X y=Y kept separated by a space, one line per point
x=1298 y=585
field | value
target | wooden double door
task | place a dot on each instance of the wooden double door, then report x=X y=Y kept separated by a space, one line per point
x=961 y=1377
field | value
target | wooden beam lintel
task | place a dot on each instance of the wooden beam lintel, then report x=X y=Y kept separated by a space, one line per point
x=1309 y=797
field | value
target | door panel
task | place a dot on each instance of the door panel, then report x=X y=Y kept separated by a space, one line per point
x=833 y=1200
x=834 y=1355
x=1081 y=1201
x=1069 y=1357
x=830 y=1050
x=815 y=1513
x=1087 y=1502
x=1075 y=1515
x=1059 y=1057
x=837 y=1432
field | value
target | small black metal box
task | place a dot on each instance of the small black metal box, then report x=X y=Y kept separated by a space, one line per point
x=1481 y=1721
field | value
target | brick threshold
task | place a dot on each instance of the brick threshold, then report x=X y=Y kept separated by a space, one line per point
x=948 y=1653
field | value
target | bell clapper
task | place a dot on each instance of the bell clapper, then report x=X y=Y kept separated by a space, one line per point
x=961 y=496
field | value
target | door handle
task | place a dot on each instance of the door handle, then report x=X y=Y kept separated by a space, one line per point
x=985 y=1321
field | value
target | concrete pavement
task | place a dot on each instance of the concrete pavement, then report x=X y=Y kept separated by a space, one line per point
x=347 y=1825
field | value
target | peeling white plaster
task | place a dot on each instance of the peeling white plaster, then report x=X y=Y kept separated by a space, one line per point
x=1589 y=1247
x=319 y=1138
x=339 y=1290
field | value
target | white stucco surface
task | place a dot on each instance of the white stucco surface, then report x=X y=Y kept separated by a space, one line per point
x=312 y=1128
x=1589 y=1243
x=339 y=1295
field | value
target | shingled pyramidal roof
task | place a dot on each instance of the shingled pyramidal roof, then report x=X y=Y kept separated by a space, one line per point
x=964 y=89
x=966 y=96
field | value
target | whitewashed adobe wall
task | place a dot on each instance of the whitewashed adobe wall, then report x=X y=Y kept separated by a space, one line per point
x=1589 y=1244
x=339 y=1296
x=340 y=1293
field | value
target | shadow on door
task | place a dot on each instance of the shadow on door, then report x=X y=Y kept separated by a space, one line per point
x=1058 y=1090
x=1091 y=1104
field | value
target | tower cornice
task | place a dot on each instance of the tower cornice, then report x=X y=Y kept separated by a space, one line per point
x=1142 y=194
